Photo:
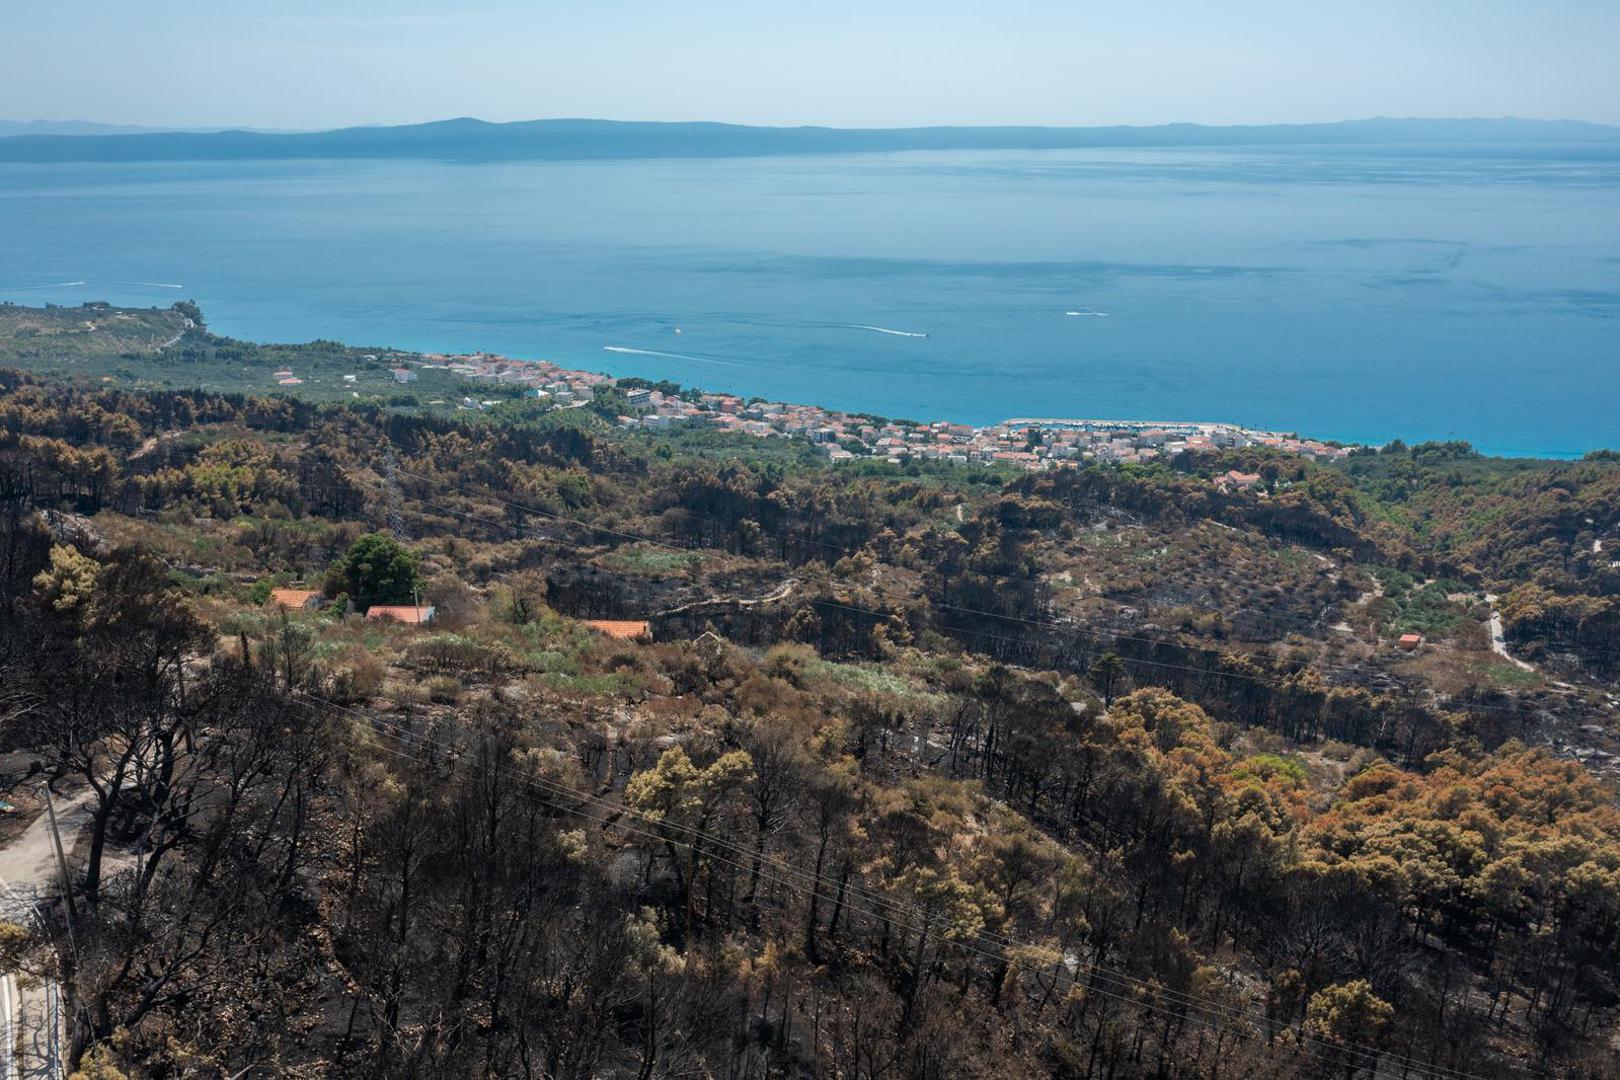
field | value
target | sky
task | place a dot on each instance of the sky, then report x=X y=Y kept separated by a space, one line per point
x=857 y=63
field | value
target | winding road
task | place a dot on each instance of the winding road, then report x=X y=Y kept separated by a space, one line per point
x=781 y=592
x=1499 y=639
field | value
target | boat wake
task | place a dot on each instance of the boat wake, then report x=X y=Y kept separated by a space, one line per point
x=52 y=285
x=884 y=330
x=73 y=284
x=669 y=355
x=1093 y=314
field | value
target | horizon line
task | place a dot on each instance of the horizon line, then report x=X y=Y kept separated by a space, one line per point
x=144 y=127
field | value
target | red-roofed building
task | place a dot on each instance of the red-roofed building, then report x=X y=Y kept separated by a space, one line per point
x=1410 y=641
x=1240 y=480
x=402 y=613
x=623 y=629
x=295 y=599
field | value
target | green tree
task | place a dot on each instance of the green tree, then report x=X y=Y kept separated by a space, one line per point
x=1107 y=675
x=71 y=580
x=376 y=569
x=949 y=908
x=259 y=594
x=682 y=800
x=190 y=310
x=1350 y=1014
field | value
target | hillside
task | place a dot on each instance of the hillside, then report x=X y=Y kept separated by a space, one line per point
x=916 y=770
x=170 y=348
x=57 y=338
x=470 y=139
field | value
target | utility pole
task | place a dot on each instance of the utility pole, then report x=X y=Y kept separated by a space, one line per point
x=61 y=858
x=396 y=515
x=70 y=963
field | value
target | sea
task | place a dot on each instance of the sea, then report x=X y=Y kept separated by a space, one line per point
x=1352 y=293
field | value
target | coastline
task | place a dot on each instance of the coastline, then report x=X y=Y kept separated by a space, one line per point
x=738 y=383
x=1030 y=443
x=1321 y=447
x=825 y=423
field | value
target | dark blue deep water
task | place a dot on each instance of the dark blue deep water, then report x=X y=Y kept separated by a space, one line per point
x=1349 y=294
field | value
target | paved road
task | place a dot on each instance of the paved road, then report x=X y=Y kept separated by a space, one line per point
x=9 y=1015
x=28 y=874
x=42 y=1033
x=1499 y=639
x=30 y=1010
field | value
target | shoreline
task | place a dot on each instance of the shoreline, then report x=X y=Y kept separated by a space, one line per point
x=1095 y=424
x=496 y=363
x=1507 y=454
x=1026 y=442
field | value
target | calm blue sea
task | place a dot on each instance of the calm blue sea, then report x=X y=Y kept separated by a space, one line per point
x=1342 y=293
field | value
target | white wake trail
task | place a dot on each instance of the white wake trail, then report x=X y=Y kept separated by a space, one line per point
x=885 y=330
x=669 y=355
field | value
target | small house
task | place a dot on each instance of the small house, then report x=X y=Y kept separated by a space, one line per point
x=1410 y=642
x=295 y=599
x=1239 y=480
x=622 y=629
x=404 y=375
x=400 y=613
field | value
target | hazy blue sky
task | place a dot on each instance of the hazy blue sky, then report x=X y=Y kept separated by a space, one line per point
x=322 y=63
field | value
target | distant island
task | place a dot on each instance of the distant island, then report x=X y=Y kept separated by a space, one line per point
x=468 y=139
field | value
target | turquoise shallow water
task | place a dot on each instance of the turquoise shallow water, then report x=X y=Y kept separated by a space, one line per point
x=1349 y=294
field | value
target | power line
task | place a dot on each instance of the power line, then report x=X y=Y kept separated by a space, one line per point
x=702 y=553
x=890 y=908
x=842 y=549
x=619 y=809
x=872 y=898
x=1045 y=624
x=827 y=579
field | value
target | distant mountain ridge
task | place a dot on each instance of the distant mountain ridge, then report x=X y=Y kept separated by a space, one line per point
x=10 y=128
x=471 y=139
x=81 y=128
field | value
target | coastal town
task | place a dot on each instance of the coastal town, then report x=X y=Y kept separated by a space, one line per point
x=1027 y=442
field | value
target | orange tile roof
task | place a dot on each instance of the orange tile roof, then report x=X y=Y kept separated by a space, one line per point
x=404 y=613
x=292 y=599
x=623 y=629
